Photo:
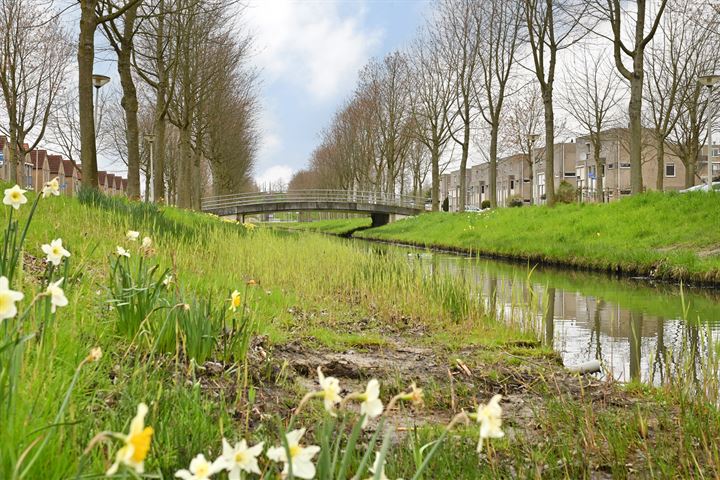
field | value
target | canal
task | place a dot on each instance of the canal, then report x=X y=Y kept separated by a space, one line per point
x=637 y=329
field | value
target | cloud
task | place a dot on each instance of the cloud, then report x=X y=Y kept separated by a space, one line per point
x=274 y=175
x=313 y=45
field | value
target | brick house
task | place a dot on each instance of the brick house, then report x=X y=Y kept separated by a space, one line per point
x=41 y=169
x=72 y=177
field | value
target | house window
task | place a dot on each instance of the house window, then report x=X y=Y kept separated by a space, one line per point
x=670 y=169
x=624 y=165
x=512 y=184
x=716 y=152
x=625 y=192
x=715 y=167
x=602 y=170
x=569 y=174
x=611 y=166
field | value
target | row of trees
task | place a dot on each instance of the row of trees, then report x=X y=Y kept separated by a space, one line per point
x=186 y=84
x=483 y=75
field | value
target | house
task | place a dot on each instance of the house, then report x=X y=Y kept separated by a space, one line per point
x=72 y=178
x=102 y=180
x=110 y=185
x=55 y=163
x=41 y=169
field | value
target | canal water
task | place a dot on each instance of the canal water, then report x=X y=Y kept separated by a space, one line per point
x=638 y=330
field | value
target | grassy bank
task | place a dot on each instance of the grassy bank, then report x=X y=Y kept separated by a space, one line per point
x=671 y=236
x=303 y=301
x=340 y=227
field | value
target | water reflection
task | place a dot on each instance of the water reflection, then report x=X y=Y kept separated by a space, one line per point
x=636 y=329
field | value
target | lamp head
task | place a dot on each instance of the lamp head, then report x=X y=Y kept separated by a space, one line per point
x=100 y=80
x=709 y=80
x=533 y=137
x=150 y=137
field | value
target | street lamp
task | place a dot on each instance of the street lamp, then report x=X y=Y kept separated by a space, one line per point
x=709 y=81
x=532 y=138
x=150 y=138
x=99 y=81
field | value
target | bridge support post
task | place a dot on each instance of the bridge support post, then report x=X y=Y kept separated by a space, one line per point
x=380 y=219
x=240 y=218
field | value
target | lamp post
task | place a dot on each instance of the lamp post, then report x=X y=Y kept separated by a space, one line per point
x=150 y=138
x=709 y=81
x=99 y=81
x=532 y=138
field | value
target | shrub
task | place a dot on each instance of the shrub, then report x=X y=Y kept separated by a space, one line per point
x=485 y=204
x=566 y=193
x=515 y=201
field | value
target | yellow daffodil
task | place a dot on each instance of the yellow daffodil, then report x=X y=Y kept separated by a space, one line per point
x=51 y=188
x=300 y=457
x=7 y=299
x=415 y=395
x=330 y=391
x=137 y=444
x=489 y=418
x=200 y=469
x=371 y=405
x=249 y=226
x=235 y=301
x=121 y=252
x=241 y=458
x=15 y=197
x=132 y=235
x=57 y=296
x=55 y=251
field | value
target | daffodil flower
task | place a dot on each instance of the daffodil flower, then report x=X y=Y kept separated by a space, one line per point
x=56 y=294
x=249 y=226
x=121 y=252
x=415 y=395
x=132 y=235
x=489 y=418
x=55 y=251
x=15 y=197
x=7 y=299
x=137 y=444
x=200 y=469
x=371 y=405
x=241 y=458
x=235 y=301
x=95 y=354
x=300 y=457
x=378 y=465
x=51 y=188
x=167 y=280
x=330 y=391
x=146 y=242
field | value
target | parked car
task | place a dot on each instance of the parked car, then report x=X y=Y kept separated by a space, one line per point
x=472 y=208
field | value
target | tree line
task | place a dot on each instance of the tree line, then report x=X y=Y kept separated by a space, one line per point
x=484 y=75
x=186 y=107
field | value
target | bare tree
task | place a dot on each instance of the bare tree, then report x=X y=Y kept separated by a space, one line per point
x=552 y=26
x=34 y=57
x=458 y=39
x=431 y=102
x=616 y=12
x=498 y=22
x=590 y=97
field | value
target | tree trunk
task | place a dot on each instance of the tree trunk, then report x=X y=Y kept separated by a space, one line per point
x=159 y=159
x=690 y=167
x=659 y=182
x=599 y=164
x=635 y=114
x=129 y=103
x=464 y=159
x=86 y=58
x=184 y=180
x=435 y=193
x=549 y=147
x=493 y=165
x=12 y=160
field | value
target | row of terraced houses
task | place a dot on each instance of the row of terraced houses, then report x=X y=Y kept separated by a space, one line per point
x=42 y=166
x=575 y=165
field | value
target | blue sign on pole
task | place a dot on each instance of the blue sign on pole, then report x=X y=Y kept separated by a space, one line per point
x=591 y=175
x=2 y=159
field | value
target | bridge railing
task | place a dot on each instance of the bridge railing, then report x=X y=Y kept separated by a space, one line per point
x=257 y=198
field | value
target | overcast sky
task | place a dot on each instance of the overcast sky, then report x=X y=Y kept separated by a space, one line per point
x=309 y=53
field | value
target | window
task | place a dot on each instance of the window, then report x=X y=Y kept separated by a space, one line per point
x=569 y=174
x=602 y=170
x=611 y=166
x=625 y=192
x=715 y=167
x=624 y=165
x=512 y=184
x=670 y=169
x=716 y=152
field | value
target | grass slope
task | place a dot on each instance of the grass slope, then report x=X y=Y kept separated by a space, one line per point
x=332 y=227
x=672 y=235
x=316 y=297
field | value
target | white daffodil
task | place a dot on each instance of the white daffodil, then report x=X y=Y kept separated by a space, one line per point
x=489 y=418
x=15 y=197
x=241 y=458
x=330 y=391
x=137 y=444
x=378 y=465
x=7 y=299
x=371 y=405
x=51 y=188
x=132 y=235
x=146 y=242
x=122 y=252
x=167 y=280
x=55 y=251
x=57 y=296
x=300 y=457
x=200 y=469
x=235 y=301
